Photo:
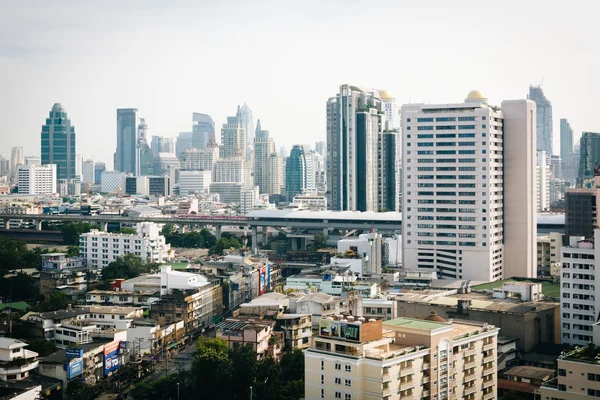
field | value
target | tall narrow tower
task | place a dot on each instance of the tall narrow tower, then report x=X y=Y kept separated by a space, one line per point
x=58 y=143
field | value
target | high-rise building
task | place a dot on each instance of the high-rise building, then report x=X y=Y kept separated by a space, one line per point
x=543 y=108
x=275 y=181
x=264 y=146
x=233 y=139
x=191 y=181
x=299 y=172
x=543 y=178
x=203 y=130
x=166 y=164
x=99 y=168
x=589 y=157
x=200 y=159
x=88 y=172
x=58 y=143
x=156 y=145
x=391 y=110
x=566 y=140
x=244 y=116
x=184 y=142
x=33 y=160
x=357 y=151
x=469 y=189
x=17 y=157
x=78 y=166
x=232 y=169
x=37 y=179
x=133 y=154
x=581 y=212
x=321 y=148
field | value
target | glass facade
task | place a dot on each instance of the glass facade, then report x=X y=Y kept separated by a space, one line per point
x=58 y=143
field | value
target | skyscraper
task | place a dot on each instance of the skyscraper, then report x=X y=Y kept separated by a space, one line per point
x=544 y=119
x=469 y=189
x=589 y=156
x=275 y=181
x=392 y=113
x=543 y=178
x=263 y=148
x=58 y=143
x=244 y=115
x=566 y=140
x=17 y=157
x=233 y=139
x=132 y=142
x=357 y=151
x=203 y=130
x=321 y=148
x=88 y=172
x=184 y=142
x=99 y=168
x=299 y=172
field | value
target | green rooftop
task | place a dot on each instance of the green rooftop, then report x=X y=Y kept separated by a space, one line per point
x=179 y=265
x=19 y=305
x=418 y=324
x=549 y=288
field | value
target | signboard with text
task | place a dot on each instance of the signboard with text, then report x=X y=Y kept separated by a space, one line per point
x=111 y=357
x=74 y=368
x=338 y=329
x=74 y=352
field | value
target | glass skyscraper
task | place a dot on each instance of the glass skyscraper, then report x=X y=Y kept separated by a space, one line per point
x=58 y=143
x=203 y=130
x=543 y=108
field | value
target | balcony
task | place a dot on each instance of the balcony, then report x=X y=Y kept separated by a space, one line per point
x=488 y=347
x=18 y=366
x=406 y=371
x=470 y=352
x=470 y=390
x=488 y=383
x=488 y=396
x=469 y=364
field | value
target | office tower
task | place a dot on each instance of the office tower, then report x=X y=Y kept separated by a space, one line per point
x=320 y=172
x=112 y=181
x=299 y=172
x=283 y=152
x=566 y=140
x=184 y=142
x=555 y=164
x=352 y=358
x=233 y=139
x=33 y=160
x=78 y=166
x=99 y=168
x=581 y=216
x=263 y=148
x=275 y=181
x=156 y=145
x=544 y=119
x=589 y=157
x=58 y=143
x=321 y=148
x=200 y=159
x=37 y=179
x=543 y=178
x=244 y=116
x=391 y=110
x=88 y=175
x=193 y=181
x=356 y=150
x=388 y=188
x=4 y=166
x=17 y=157
x=167 y=164
x=203 y=130
x=469 y=189
x=231 y=169
x=133 y=153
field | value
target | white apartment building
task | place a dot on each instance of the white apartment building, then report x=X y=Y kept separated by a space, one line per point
x=310 y=201
x=369 y=247
x=579 y=300
x=468 y=202
x=36 y=179
x=200 y=159
x=548 y=254
x=230 y=170
x=101 y=248
x=264 y=146
x=543 y=177
x=249 y=199
x=11 y=352
x=275 y=181
x=88 y=175
x=194 y=181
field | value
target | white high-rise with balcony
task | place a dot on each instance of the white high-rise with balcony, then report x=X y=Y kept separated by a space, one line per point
x=36 y=179
x=543 y=176
x=460 y=197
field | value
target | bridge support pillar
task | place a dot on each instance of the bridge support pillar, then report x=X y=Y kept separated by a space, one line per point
x=254 y=240
x=218 y=231
x=6 y=223
x=105 y=226
x=38 y=225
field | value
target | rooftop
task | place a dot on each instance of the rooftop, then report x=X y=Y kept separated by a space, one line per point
x=549 y=288
x=530 y=372
x=113 y=310
x=64 y=314
x=416 y=324
x=328 y=215
x=8 y=343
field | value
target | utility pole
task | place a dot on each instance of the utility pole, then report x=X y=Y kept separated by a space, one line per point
x=177 y=390
x=250 y=392
x=140 y=348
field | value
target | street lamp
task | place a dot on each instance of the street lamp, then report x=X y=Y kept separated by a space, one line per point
x=177 y=390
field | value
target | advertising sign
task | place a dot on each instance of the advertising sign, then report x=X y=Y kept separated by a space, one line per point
x=123 y=345
x=338 y=329
x=74 y=368
x=74 y=352
x=262 y=284
x=111 y=357
x=269 y=286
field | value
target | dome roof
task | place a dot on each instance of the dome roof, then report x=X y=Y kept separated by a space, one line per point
x=57 y=107
x=434 y=317
x=384 y=94
x=475 y=95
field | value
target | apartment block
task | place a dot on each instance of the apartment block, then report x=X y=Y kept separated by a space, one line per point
x=356 y=359
x=548 y=254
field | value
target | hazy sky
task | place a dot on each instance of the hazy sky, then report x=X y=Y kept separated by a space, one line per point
x=284 y=58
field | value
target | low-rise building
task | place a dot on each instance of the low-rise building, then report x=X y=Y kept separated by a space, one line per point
x=379 y=309
x=524 y=379
x=367 y=246
x=63 y=272
x=321 y=305
x=356 y=359
x=16 y=362
x=252 y=332
x=297 y=330
x=122 y=298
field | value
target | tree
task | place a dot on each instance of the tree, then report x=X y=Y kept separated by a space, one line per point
x=15 y=254
x=127 y=267
x=245 y=369
x=57 y=301
x=21 y=287
x=42 y=347
x=72 y=230
x=213 y=369
x=73 y=251
x=127 y=231
x=168 y=230
x=319 y=241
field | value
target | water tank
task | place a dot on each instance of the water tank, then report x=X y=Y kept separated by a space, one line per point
x=372 y=320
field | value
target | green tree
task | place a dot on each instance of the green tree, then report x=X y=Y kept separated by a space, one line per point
x=56 y=301
x=213 y=369
x=21 y=287
x=168 y=230
x=42 y=347
x=245 y=368
x=127 y=267
x=15 y=254
x=319 y=241
x=73 y=251
x=128 y=231
x=72 y=230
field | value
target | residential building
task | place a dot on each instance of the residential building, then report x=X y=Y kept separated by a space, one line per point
x=191 y=182
x=58 y=143
x=321 y=305
x=167 y=164
x=88 y=174
x=122 y=298
x=243 y=331
x=233 y=139
x=543 y=119
x=468 y=197
x=379 y=309
x=356 y=359
x=516 y=318
x=60 y=272
x=577 y=376
x=360 y=161
x=263 y=148
x=229 y=192
x=275 y=174
x=34 y=160
x=548 y=254
x=578 y=294
x=16 y=362
x=369 y=247
x=310 y=202
x=589 y=155
x=566 y=141
x=101 y=248
x=203 y=130
x=244 y=116
x=200 y=159
x=232 y=169
x=249 y=199
x=297 y=330
x=581 y=216
x=17 y=157
x=543 y=179
x=391 y=110
x=37 y=179
x=132 y=143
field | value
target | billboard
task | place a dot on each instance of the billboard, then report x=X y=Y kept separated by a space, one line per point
x=111 y=357
x=262 y=280
x=340 y=330
x=74 y=352
x=74 y=368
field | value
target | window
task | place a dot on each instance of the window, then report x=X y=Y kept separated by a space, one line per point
x=348 y=396
x=338 y=366
x=322 y=365
x=347 y=382
x=322 y=379
x=348 y=368
x=322 y=393
x=424 y=128
x=424 y=119
x=338 y=395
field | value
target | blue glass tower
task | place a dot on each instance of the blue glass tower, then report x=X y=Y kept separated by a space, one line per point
x=58 y=143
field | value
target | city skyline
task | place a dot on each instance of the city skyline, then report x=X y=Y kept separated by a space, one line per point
x=171 y=88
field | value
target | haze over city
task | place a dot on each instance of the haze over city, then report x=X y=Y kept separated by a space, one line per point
x=283 y=59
